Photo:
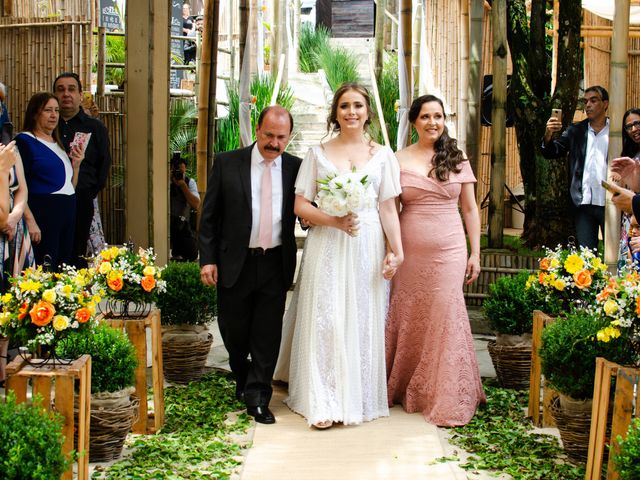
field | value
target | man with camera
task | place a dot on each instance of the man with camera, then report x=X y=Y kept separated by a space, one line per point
x=183 y=194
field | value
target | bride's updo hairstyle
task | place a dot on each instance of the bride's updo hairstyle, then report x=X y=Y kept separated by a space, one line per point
x=332 y=121
x=448 y=156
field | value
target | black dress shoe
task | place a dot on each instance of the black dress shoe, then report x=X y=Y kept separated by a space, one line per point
x=261 y=414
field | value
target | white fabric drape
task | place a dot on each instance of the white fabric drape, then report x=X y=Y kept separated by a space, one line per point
x=606 y=9
x=244 y=114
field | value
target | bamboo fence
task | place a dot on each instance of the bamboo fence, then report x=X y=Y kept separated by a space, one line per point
x=48 y=8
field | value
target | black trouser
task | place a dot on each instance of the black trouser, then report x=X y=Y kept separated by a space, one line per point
x=250 y=320
x=183 y=240
x=589 y=221
x=84 y=217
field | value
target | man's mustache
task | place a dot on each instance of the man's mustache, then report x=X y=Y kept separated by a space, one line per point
x=273 y=149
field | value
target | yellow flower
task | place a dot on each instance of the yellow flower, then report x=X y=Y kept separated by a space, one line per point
x=4 y=318
x=573 y=263
x=555 y=263
x=67 y=290
x=105 y=267
x=610 y=307
x=6 y=298
x=603 y=336
x=96 y=299
x=49 y=295
x=149 y=271
x=29 y=286
x=60 y=322
x=531 y=280
x=559 y=284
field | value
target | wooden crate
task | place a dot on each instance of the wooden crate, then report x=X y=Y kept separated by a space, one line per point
x=136 y=329
x=627 y=380
x=62 y=378
x=539 y=418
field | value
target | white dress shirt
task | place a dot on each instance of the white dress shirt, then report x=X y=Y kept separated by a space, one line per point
x=257 y=168
x=595 y=166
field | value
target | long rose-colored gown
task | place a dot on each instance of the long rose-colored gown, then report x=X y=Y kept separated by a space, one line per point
x=431 y=362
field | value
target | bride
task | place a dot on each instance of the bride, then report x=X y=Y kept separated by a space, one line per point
x=335 y=322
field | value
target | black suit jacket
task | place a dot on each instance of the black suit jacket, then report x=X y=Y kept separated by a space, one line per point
x=225 y=223
x=574 y=142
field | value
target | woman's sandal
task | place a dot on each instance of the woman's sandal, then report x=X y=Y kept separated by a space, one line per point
x=323 y=425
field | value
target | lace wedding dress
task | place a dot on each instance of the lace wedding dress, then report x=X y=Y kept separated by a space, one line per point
x=333 y=333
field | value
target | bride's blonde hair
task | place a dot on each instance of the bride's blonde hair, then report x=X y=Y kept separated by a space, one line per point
x=332 y=121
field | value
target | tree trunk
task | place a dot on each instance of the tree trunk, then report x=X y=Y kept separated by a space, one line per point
x=546 y=182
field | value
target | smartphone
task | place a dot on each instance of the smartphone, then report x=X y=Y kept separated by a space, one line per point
x=557 y=113
x=607 y=186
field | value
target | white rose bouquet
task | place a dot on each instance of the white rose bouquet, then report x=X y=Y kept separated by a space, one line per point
x=341 y=194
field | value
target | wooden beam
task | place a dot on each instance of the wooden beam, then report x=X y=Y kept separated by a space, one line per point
x=476 y=32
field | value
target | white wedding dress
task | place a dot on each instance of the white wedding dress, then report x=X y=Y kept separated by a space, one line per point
x=332 y=351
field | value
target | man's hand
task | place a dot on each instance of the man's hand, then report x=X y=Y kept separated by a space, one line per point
x=209 y=275
x=553 y=125
x=622 y=198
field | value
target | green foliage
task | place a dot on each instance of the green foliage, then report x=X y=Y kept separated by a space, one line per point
x=30 y=442
x=627 y=459
x=312 y=42
x=194 y=442
x=500 y=439
x=186 y=300
x=261 y=89
x=115 y=54
x=389 y=92
x=183 y=121
x=509 y=306
x=569 y=350
x=113 y=357
x=339 y=65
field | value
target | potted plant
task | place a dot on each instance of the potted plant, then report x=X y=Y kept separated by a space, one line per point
x=31 y=441
x=627 y=457
x=130 y=280
x=509 y=309
x=568 y=353
x=113 y=407
x=186 y=306
x=41 y=308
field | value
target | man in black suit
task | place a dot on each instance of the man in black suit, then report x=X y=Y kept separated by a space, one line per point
x=586 y=143
x=248 y=249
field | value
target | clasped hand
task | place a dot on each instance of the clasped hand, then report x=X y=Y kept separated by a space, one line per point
x=349 y=224
x=390 y=265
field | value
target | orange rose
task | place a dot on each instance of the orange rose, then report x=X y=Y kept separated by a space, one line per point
x=638 y=306
x=24 y=308
x=148 y=283
x=42 y=313
x=83 y=315
x=582 y=278
x=115 y=283
x=544 y=264
x=541 y=277
x=603 y=295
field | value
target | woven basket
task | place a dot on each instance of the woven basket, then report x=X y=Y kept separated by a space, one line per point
x=574 y=427
x=512 y=364
x=184 y=354
x=112 y=415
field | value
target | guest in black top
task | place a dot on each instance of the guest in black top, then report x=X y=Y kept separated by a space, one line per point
x=97 y=158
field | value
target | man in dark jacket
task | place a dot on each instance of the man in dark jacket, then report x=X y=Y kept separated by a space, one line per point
x=94 y=169
x=586 y=143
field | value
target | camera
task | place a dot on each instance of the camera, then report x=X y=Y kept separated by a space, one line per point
x=176 y=160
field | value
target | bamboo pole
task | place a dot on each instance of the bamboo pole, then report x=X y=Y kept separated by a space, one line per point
x=381 y=5
x=203 y=95
x=415 y=46
x=244 y=26
x=476 y=31
x=617 y=105
x=463 y=86
x=498 y=122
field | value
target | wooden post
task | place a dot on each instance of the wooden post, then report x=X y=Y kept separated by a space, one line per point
x=19 y=372
x=540 y=320
x=136 y=330
x=617 y=106
x=498 y=123
x=474 y=127
x=381 y=5
x=102 y=54
x=463 y=87
x=280 y=44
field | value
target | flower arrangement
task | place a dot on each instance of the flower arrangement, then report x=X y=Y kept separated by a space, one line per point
x=341 y=194
x=41 y=307
x=128 y=276
x=619 y=303
x=568 y=277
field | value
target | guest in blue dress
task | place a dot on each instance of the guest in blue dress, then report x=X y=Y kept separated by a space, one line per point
x=51 y=177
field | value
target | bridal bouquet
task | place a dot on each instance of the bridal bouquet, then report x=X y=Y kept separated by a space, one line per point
x=341 y=194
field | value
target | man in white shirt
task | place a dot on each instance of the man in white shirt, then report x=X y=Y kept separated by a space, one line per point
x=586 y=144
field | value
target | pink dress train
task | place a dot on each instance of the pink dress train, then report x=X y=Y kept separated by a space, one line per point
x=431 y=362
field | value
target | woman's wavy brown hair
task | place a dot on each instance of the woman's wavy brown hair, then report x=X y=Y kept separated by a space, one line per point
x=448 y=156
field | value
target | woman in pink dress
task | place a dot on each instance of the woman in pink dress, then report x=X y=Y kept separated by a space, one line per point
x=431 y=362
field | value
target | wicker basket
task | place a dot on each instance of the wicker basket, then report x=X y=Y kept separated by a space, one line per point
x=574 y=426
x=185 y=353
x=112 y=415
x=512 y=364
